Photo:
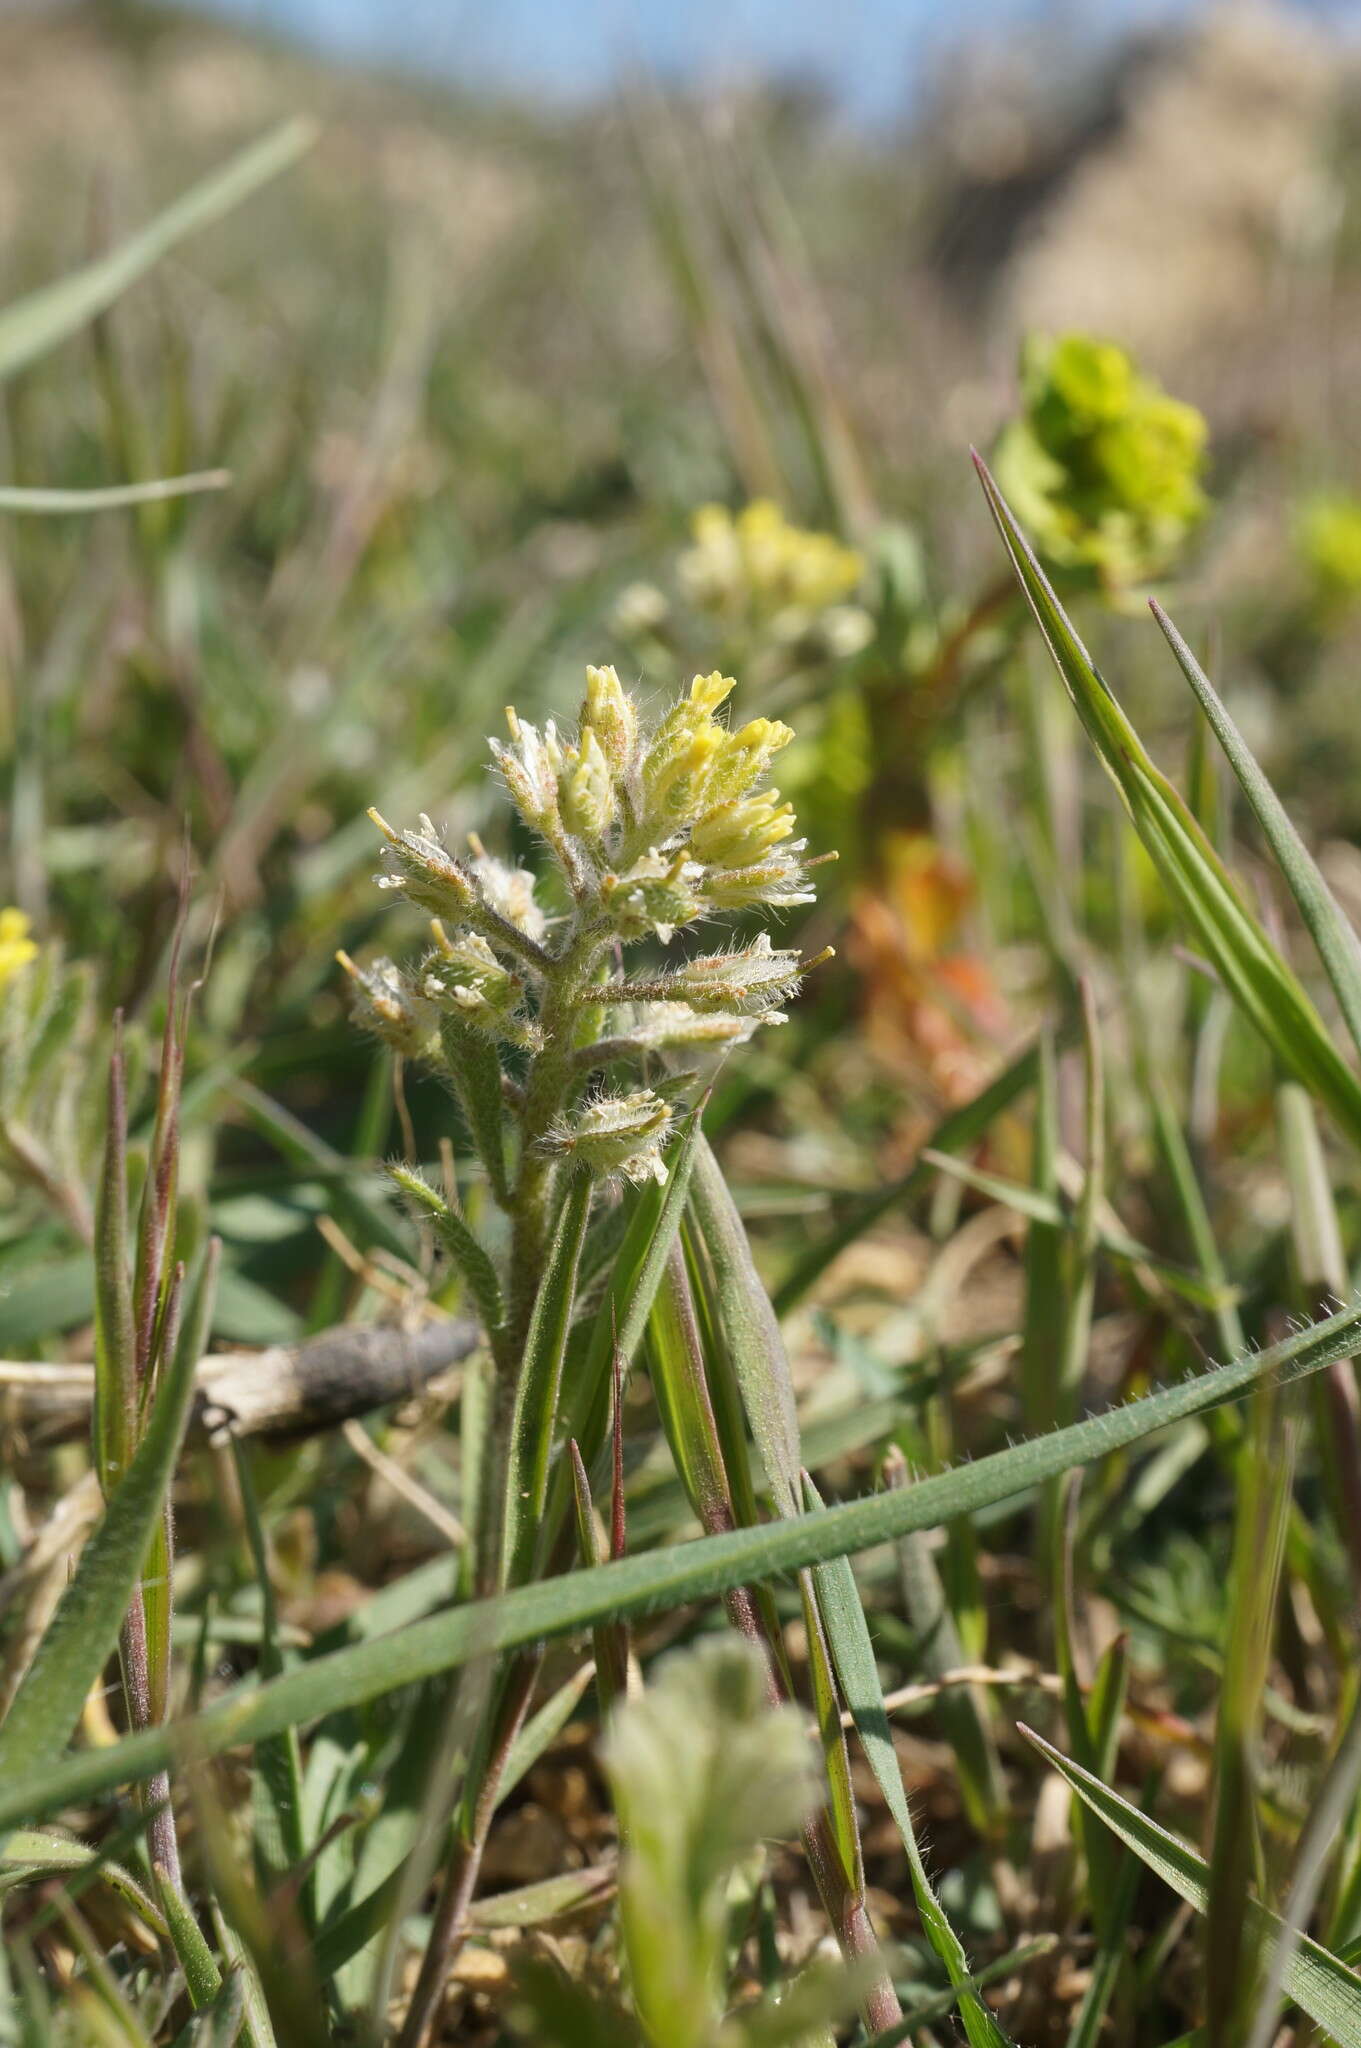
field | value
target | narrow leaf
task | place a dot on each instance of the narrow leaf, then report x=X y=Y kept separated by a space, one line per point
x=1261 y=983
x=540 y=1377
x=85 y=1626
x=853 y=1654
x=1337 y=943
x=633 y=1585
x=37 y=323
x=1318 y=1982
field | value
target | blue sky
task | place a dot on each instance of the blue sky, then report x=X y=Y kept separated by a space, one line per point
x=865 y=51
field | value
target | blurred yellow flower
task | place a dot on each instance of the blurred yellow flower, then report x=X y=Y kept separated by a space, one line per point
x=754 y=562
x=1102 y=467
x=16 y=947
x=1328 y=536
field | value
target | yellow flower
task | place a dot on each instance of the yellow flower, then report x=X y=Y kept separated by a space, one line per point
x=16 y=947
x=758 y=563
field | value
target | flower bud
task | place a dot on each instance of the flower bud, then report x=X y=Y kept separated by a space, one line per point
x=615 y=1134
x=509 y=891
x=753 y=980
x=586 y=790
x=736 y=835
x=654 y=895
x=464 y=974
x=387 y=1005
x=422 y=867
x=531 y=765
x=746 y=756
x=612 y=716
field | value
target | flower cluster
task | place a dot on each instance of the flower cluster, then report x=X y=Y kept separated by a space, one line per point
x=16 y=947
x=649 y=831
x=758 y=581
x=754 y=565
x=1102 y=467
x=656 y=829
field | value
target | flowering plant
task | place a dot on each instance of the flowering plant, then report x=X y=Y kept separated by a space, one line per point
x=522 y=1002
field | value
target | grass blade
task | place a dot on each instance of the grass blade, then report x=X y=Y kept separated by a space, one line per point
x=1260 y=982
x=751 y=1330
x=853 y=1655
x=1318 y=1982
x=112 y=497
x=85 y=1626
x=37 y=323
x=687 y=1571
x=1337 y=943
x=538 y=1383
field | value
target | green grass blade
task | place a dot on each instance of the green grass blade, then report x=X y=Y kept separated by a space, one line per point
x=1337 y=943
x=750 y=1329
x=113 y=497
x=468 y=1255
x=1265 y=1469
x=853 y=1655
x=687 y=1571
x=1253 y=972
x=39 y=322
x=85 y=1627
x=1318 y=1982
x=538 y=1384
x=941 y=2004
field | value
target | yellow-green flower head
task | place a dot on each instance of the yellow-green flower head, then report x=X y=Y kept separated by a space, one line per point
x=654 y=829
x=755 y=563
x=464 y=975
x=386 y=1004
x=1103 y=468
x=1328 y=538
x=615 y=1135
x=16 y=947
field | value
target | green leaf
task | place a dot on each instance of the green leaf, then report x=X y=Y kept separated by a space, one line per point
x=84 y=1629
x=1260 y=982
x=623 y=1313
x=750 y=1329
x=32 y=1853
x=468 y=1254
x=537 y=1384
x=853 y=1654
x=1337 y=943
x=1317 y=1981
x=688 y=1571
x=280 y=1845
x=37 y=323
